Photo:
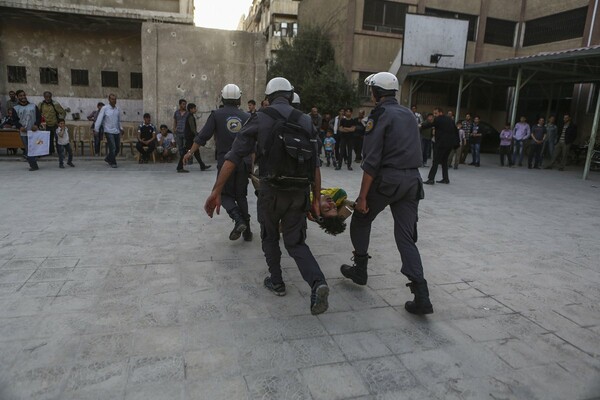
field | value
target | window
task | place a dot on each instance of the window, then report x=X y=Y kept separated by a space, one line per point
x=79 y=77
x=136 y=80
x=500 y=32
x=49 y=76
x=554 y=28
x=110 y=79
x=16 y=74
x=384 y=16
x=285 y=29
x=471 y=33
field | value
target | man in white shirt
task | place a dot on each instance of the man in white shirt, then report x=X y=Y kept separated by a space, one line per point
x=109 y=118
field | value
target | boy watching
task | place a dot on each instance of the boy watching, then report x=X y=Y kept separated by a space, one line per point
x=506 y=137
x=146 y=138
x=62 y=141
x=329 y=145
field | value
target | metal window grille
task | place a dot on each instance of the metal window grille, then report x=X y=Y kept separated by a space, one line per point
x=136 y=80
x=384 y=16
x=49 y=76
x=16 y=74
x=79 y=77
x=110 y=79
x=553 y=28
x=500 y=32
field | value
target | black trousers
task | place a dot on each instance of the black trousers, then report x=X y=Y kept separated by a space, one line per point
x=286 y=209
x=535 y=155
x=403 y=200
x=505 y=151
x=358 y=145
x=52 y=130
x=189 y=141
x=346 y=147
x=235 y=192
x=440 y=156
x=145 y=153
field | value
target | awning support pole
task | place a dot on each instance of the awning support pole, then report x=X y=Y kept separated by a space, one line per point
x=513 y=111
x=588 y=160
x=460 y=92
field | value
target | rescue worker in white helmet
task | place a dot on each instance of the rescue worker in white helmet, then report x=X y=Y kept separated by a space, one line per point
x=390 y=164
x=286 y=145
x=225 y=124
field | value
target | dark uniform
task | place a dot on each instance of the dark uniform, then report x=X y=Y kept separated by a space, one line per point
x=392 y=156
x=275 y=207
x=225 y=123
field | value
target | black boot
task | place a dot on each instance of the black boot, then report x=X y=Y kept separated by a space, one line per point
x=247 y=233
x=240 y=224
x=421 y=304
x=358 y=271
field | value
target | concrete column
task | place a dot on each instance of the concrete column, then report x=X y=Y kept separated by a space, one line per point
x=588 y=160
x=513 y=116
x=483 y=13
x=591 y=33
x=460 y=92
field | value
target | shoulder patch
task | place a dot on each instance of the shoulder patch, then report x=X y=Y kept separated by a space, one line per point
x=234 y=124
x=373 y=117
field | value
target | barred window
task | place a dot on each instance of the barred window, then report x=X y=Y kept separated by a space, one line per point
x=384 y=16
x=79 y=77
x=500 y=32
x=553 y=28
x=16 y=74
x=110 y=79
x=136 y=80
x=49 y=76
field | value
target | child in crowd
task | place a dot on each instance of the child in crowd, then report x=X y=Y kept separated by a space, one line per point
x=62 y=140
x=456 y=153
x=166 y=144
x=506 y=137
x=329 y=145
x=10 y=121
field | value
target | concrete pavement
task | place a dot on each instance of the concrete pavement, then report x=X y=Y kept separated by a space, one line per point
x=115 y=285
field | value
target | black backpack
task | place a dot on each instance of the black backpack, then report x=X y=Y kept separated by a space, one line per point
x=289 y=158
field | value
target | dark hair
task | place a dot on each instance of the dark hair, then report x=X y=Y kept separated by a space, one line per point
x=164 y=126
x=333 y=225
x=182 y=101
x=477 y=116
x=231 y=102
x=349 y=109
x=146 y=115
x=439 y=109
x=190 y=106
x=59 y=120
x=47 y=92
x=429 y=114
x=18 y=92
x=101 y=104
x=253 y=102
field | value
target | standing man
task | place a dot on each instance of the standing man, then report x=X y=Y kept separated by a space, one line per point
x=568 y=134
x=467 y=126
x=29 y=118
x=475 y=142
x=359 y=134
x=282 y=202
x=392 y=157
x=179 y=118
x=109 y=119
x=98 y=136
x=346 y=136
x=417 y=114
x=551 y=137
x=522 y=132
x=225 y=124
x=52 y=111
x=317 y=121
x=426 y=137
x=538 y=136
x=251 y=106
x=12 y=101
x=446 y=138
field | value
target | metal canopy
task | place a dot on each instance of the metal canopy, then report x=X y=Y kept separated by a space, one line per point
x=569 y=66
x=573 y=66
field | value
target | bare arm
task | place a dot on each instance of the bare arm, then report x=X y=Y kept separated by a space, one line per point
x=365 y=186
x=213 y=202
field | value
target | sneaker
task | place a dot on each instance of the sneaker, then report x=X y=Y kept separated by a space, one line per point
x=113 y=165
x=205 y=167
x=70 y=164
x=61 y=166
x=34 y=168
x=277 y=289
x=182 y=170
x=349 y=167
x=318 y=299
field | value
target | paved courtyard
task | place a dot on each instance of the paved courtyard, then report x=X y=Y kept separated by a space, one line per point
x=114 y=284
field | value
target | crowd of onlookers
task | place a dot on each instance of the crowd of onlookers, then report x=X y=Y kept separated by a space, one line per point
x=341 y=136
x=536 y=141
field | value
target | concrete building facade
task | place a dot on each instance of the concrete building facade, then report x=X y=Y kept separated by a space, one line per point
x=148 y=53
x=274 y=19
x=368 y=34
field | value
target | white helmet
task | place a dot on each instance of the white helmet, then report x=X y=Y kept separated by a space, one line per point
x=231 y=92
x=296 y=99
x=278 y=85
x=384 y=80
x=368 y=79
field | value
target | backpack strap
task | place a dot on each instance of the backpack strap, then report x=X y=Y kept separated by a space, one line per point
x=271 y=112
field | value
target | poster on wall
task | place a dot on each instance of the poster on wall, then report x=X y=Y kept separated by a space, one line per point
x=38 y=143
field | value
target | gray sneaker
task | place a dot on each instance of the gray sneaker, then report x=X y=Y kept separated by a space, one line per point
x=318 y=299
x=277 y=289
